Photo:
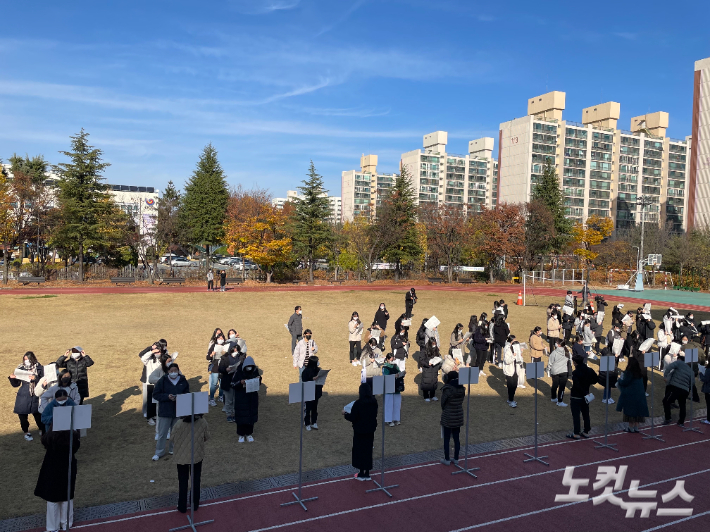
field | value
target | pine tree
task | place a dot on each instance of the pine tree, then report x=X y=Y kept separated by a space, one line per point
x=204 y=203
x=397 y=217
x=548 y=192
x=168 y=227
x=311 y=229
x=6 y=218
x=86 y=209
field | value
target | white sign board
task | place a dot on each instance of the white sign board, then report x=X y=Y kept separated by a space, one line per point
x=651 y=359
x=607 y=364
x=468 y=375
x=432 y=323
x=535 y=370
x=61 y=417
x=382 y=384
x=294 y=392
x=184 y=403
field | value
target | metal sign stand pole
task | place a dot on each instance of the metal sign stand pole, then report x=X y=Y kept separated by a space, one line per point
x=465 y=468
x=381 y=485
x=530 y=457
x=71 y=448
x=298 y=498
x=606 y=443
x=694 y=359
x=652 y=436
x=191 y=517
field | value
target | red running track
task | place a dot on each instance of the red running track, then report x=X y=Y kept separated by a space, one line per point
x=508 y=494
x=505 y=289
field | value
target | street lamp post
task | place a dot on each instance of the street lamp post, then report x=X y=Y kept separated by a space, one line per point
x=643 y=201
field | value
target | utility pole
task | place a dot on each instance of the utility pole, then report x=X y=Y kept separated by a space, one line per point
x=643 y=201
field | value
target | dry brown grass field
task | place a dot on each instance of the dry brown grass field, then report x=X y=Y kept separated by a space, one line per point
x=115 y=458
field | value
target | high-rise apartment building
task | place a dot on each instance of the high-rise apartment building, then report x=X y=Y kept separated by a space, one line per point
x=699 y=189
x=292 y=196
x=436 y=177
x=602 y=170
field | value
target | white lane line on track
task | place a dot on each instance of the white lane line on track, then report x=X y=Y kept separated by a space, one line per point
x=659 y=527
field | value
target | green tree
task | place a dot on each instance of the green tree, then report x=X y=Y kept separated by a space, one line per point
x=87 y=212
x=168 y=228
x=204 y=203
x=311 y=229
x=397 y=217
x=6 y=220
x=548 y=192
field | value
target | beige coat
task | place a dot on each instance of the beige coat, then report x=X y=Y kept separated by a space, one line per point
x=355 y=330
x=537 y=346
x=553 y=327
x=181 y=435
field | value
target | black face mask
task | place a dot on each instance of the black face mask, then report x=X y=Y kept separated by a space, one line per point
x=66 y=382
x=308 y=337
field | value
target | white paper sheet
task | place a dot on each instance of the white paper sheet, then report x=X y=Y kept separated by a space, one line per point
x=320 y=378
x=432 y=322
x=407 y=323
x=434 y=361
x=646 y=345
x=349 y=407
x=50 y=372
x=61 y=417
x=183 y=403
x=253 y=385
x=22 y=375
x=375 y=333
x=617 y=346
x=457 y=354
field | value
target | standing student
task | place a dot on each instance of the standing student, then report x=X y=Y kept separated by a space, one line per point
x=588 y=339
x=246 y=404
x=500 y=337
x=705 y=379
x=355 y=328
x=632 y=400
x=152 y=371
x=52 y=481
x=613 y=377
x=430 y=371
x=393 y=401
x=410 y=299
x=76 y=361
x=369 y=361
x=452 y=396
x=679 y=381
x=382 y=316
x=310 y=372
x=537 y=346
x=228 y=364
x=26 y=402
x=663 y=344
x=510 y=363
x=305 y=348
x=480 y=346
x=553 y=330
x=210 y=280
x=457 y=340
x=222 y=280
x=421 y=340
x=557 y=366
x=363 y=416
x=567 y=325
x=182 y=436
x=582 y=378
x=215 y=351
x=295 y=326
x=166 y=391
x=46 y=393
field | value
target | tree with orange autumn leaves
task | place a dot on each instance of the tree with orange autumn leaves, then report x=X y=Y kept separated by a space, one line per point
x=498 y=233
x=590 y=234
x=256 y=229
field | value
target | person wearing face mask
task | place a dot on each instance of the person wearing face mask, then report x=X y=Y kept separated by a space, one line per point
x=371 y=367
x=393 y=401
x=52 y=481
x=457 y=341
x=295 y=326
x=76 y=361
x=150 y=358
x=46 y=389
x=246 y=405
x=430 y=371
x=61 y=398
x=310 y=372
x=511 y=364
x=228 y=365
x=382 y=316
x=588 y=340
x=215 y=351
x=166 y=391
x=355 y=328
x=26 y=402
x=305 y=348
x=537 y=346
x=400 y=349
x=410 y=299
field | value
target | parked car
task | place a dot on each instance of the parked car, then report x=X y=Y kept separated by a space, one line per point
x=180 y=261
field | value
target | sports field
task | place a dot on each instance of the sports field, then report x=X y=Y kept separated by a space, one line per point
x=115 y=458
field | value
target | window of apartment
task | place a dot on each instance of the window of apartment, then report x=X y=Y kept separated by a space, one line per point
x=573 y=172
x=630 y=141
x=627 y=178
x=603 y=214
x=597 y=165
x=601 y=156
x=544 y=127
x=599 y=194
x=677 y=148
x=653 y=154
x=570 y=182
x=575 y=163
x=576 y=133
x=653 y=144
x=543 y=148
x=596 y=174
x=628 y=150
x=651 y=171
x=600 y=185
x=651 y=190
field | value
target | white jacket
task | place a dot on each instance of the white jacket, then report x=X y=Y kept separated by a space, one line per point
x=510 y=360
x=153 y=368
x=662 y=339
x=47 y=395
x=299 y=353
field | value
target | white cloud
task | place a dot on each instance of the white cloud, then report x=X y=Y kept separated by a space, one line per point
x=262 y=7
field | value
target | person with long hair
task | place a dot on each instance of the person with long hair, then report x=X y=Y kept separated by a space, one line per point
x=228 y=365
x=557 y=367
x=25 y=377
x=310 y=372
x=457 y=340
x=170 y=385
x=393 y=401
x=452 y=396
x=246 y=404
x=430 y=370
x=382 y=316
x=501 y=331
x=182 y=437
x=150 y=358
x=363 y=416
x=355 y=328
x=369 y=361
x=511 y=363
x=632 y=401
x=480 y=347
x=410 y=299
x=215 y=350
x=582 y=378
x=553 y=329
x=537 y=346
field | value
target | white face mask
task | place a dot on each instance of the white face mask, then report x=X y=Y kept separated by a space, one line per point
x=685 y=342
x=232 y=336
x=75 y=355
x=27 y=363
x=61 y=402
x=174 y=376
x=220 y=341
x=382 y=307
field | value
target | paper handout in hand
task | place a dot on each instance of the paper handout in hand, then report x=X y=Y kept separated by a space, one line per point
x=432 y=323
x=320 y=378
x=349 y=407
x=253 y=385
x=646 y=345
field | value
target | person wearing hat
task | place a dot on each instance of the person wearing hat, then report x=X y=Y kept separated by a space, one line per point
x=363 y=416
x=26 y=402
x=76 y=361
x=582 y=378
x=168 y=387
x=52 y=481
x=61 y=398
x=452 y=396
x=182 y=437
x=246 y=404
x=310 y=372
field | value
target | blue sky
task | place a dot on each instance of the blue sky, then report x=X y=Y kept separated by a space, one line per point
x=275 y=83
